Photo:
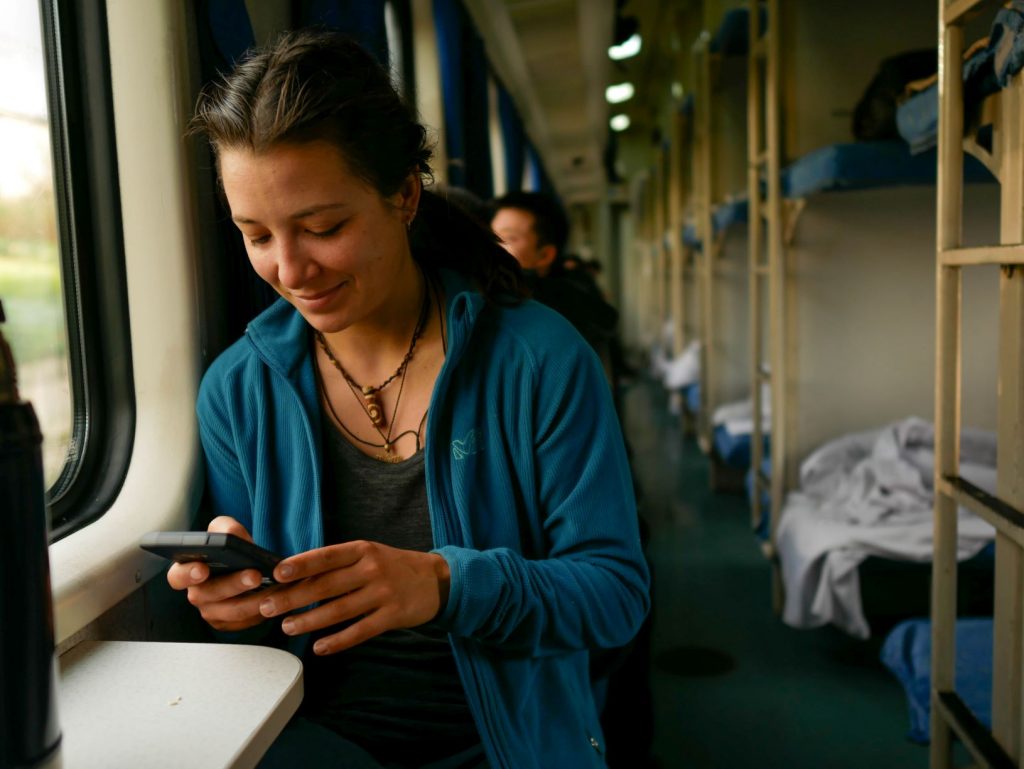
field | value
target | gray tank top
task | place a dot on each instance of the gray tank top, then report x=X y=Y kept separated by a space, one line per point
x=397 y=695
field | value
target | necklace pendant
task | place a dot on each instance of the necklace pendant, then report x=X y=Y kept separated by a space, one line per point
x=388 y=457
x=374 y=410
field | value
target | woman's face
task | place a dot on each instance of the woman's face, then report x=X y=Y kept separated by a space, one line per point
x=323 y=238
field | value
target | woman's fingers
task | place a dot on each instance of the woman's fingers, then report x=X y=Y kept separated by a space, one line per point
x=369 y=626
x=342 y=609
x=183 y=575
x=224 y=587
x=226 y=602
x=382 y=588
x=323 y=560
x=235 y=612
x=224 y=524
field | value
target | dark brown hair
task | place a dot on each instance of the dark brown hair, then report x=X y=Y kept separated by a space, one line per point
x=318 y=85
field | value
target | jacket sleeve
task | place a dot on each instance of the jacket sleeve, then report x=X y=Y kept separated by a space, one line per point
x=590 y=589
x=226 y=490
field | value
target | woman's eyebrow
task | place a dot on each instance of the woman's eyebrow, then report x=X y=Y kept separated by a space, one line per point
x=316 y=210
x=297 y=215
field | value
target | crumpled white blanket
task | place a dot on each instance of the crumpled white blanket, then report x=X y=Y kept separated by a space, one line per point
x=738 y=417
x=866 y=494
x=684 y=369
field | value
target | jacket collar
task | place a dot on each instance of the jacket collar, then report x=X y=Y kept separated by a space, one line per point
x=280 y=334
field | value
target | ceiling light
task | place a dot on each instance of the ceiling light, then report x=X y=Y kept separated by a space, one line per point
x=619 y=122
x=616 y=94
x=629 y=48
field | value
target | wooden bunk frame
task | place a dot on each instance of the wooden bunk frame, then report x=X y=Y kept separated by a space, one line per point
x=659 y=246
x=645 y=320
x=713 y=376
x=704 y=258
x=767 y=263
x=674 y=235
x=1004 y=746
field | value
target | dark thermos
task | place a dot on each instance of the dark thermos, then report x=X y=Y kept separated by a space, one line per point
x=29 y=732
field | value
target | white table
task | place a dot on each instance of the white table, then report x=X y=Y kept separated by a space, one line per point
x=141 y=705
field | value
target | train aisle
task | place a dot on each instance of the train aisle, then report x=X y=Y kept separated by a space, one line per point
x=733 y=686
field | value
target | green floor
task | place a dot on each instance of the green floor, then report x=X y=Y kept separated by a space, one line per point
x=794 y=698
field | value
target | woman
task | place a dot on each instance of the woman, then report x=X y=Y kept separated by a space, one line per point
x=439 y=459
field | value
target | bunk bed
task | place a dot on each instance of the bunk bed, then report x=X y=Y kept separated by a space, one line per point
x=733 y=433
x=764 y=267
x=869 y=494
x=848 y=233
x=718 y=238
x=680 y=372
x=867 y=193
x=964 y=676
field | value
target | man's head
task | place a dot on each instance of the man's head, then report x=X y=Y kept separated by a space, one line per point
x=533 y=227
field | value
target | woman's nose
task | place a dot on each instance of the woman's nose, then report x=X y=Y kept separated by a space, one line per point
x=294 y=267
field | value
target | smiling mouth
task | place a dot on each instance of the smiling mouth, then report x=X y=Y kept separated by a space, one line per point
x=320 y=295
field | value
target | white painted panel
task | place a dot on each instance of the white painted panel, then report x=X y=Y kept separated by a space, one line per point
x=864 y=271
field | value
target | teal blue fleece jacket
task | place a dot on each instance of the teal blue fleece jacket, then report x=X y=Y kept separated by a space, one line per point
x=530 y=501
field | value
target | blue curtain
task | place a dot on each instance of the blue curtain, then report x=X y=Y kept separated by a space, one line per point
x=362 y=20
x=540 y=181
x=225 y=35
x=515 y=139
x=464 y=94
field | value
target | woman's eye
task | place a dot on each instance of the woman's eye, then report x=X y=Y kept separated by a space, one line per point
x=325 y=233
x=259 y=241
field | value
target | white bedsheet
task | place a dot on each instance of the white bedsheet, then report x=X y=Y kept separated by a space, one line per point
x=866 y=494
x=738 y=417
x=684 y=369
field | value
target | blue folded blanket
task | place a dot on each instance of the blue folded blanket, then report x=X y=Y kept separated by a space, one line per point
x=907 y=652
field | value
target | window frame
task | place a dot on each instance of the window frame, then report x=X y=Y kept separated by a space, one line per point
x=99 y=565
x=87 y=197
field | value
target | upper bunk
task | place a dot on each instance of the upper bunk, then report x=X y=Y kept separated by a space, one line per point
x=905 y=85
x=989 y=64
x=867 y=165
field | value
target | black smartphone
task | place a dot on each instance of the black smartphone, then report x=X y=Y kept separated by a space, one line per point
x=223 y=553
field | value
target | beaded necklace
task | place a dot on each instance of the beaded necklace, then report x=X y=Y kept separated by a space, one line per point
x=389 y=442
x=371 y=400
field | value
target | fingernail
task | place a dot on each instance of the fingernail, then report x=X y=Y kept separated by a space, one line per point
x=267 y=608
x=248 y=581
x=319 y=648
x=196 y=573
x=288 y=626
x=287 y=570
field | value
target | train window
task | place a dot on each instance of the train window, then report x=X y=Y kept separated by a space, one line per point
x=61 y=253
x=30 y=269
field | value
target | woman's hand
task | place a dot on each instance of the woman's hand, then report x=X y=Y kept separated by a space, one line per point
x=227 y=602
x=384 y=587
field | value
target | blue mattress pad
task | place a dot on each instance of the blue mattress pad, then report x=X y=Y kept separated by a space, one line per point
x=867 y=165
x=735 y=449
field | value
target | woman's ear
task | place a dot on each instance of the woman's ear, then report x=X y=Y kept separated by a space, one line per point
x=407 y=199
